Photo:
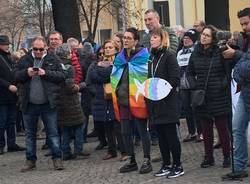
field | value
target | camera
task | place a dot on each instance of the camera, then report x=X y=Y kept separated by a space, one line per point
x=223 y=37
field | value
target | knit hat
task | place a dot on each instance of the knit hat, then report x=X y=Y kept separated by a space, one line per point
x=63 y=51
x=87 y=48
x=192 y=34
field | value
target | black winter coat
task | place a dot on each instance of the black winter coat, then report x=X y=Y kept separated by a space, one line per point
x=69 y=107
x=6 y=79
x=85 y=62
x=166 y=110
x=217 y=99
x=51 y=80
x=102 y=109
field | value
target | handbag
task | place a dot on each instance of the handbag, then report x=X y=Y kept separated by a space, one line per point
x=107 y=91
x=198 y=95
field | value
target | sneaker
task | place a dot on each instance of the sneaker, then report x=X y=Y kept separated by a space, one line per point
x=165 y=170
x=15 y=148
x=28 y=166
x=235 y=175
x=128 y=167
x=207 y=162
x=146 y=166
x=58 y=165
x=176 y=171
x=226 y=162
x=189 y=138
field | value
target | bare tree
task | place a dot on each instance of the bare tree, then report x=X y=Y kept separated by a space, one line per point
x=12 y=24
x=90 y=11
x=37 y=13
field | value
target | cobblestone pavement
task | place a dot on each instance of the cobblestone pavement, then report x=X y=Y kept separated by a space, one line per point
x=96 y=171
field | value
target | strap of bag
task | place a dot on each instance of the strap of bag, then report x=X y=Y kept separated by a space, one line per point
x=210 y=66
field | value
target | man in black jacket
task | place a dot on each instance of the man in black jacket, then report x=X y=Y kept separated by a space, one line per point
x=38 y=75
x=7 y=98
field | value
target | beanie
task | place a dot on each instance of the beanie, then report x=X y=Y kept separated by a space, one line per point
x=192 y=34
x=63 y=51
x=87 y=48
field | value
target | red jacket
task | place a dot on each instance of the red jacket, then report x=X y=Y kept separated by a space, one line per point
x=77 y=67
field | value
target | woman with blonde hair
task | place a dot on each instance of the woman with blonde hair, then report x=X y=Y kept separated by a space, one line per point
x=163 y=114
x=102 y=108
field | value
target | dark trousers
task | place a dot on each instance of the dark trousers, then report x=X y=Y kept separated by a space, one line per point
x=7 y=124
x=107 y=129
x=127 y=129
x=169 y=143
x=19 y=121
x=119 y=138
x=193 y=123
x=99 y=127
x=221 y=123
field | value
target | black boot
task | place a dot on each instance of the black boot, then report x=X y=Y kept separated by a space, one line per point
x=207 y=162
x=131 y=165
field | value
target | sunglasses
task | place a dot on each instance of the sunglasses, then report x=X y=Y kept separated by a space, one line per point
x=38 y=49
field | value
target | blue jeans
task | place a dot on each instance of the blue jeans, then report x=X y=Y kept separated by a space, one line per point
x=240 y=125
x=49 y=118
x=77 y=132
x=7 y=123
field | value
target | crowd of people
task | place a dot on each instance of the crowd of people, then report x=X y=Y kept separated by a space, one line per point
x=61 y=84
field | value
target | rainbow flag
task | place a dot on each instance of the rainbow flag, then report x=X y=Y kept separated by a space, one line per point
x=138 y=69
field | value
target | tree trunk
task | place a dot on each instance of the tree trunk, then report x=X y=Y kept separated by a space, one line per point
x=217 y=13
x=66 y=18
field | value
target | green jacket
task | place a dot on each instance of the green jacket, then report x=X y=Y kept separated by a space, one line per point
x=145 y=41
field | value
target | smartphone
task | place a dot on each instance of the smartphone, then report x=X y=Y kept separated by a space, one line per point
x=35 y=69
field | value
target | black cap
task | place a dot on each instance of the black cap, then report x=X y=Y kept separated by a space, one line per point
x=4 y=40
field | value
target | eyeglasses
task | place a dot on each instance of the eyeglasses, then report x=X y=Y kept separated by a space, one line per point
x=38 y=49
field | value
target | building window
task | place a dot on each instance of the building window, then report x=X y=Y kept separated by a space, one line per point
x=105 y=34
x=162 y=8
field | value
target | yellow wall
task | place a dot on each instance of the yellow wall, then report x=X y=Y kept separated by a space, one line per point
x=234 y=7
x=192 y=10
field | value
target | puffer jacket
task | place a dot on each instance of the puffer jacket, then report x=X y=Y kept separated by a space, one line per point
x=102 y=109
x=217 y=98
x=69 y=107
